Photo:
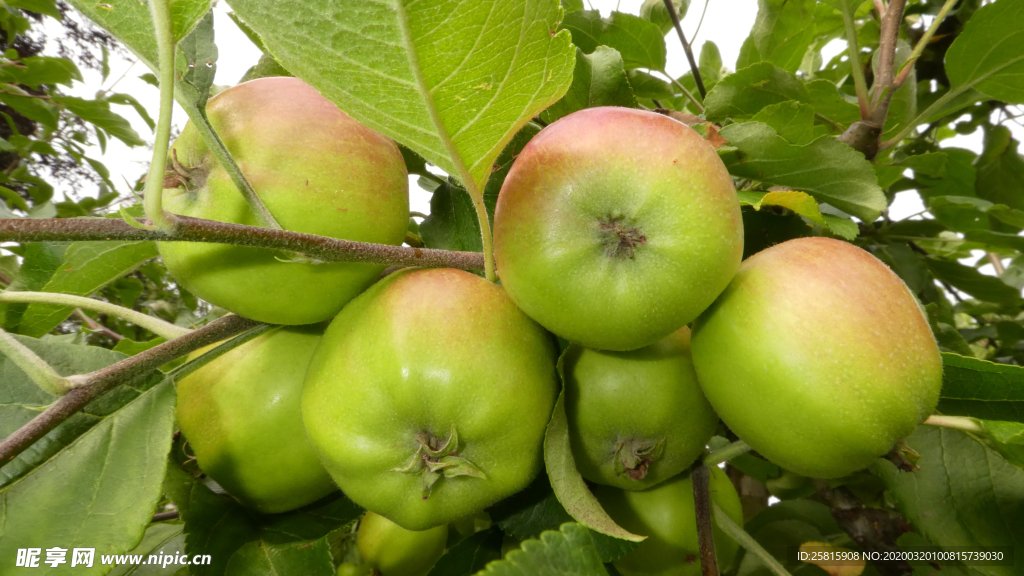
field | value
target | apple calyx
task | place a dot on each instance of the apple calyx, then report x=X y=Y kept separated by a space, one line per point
x=180 y=176
x=621 y=239
x=434 y=460
x=633 y=456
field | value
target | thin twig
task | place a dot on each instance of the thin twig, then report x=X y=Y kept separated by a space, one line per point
x=700 y=477
x=701 y=21
x=198 y=230
x=153 y=324
x=686 y=48
x=996 y=262
x=923 y=43
x=856 y=68
x=693 y=99
x=887 y=41
x=96 y=326
x=161 y=516
x=89 y=386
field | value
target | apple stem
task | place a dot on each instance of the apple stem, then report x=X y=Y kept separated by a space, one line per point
x=86 y=387
x=35 y=367
x=151 y=323
x=485 y=227
x=956 y=423
x=160 y=11
x=701 y=476
x=199 y=230
x=726 y=453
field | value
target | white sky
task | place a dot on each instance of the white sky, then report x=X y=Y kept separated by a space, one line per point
x=726 y=22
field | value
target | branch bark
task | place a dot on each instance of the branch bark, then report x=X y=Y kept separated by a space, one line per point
x=871 y=528
x=89 y=386
x=702 y=506
x=198 y=230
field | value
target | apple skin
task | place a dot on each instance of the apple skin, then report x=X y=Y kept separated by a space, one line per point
x=395 y=551
x=818 y=356
x=586 y=188
x=666 y=515
x=240 y=415
x=644 y=398
x=316 y=170
x=420 y=352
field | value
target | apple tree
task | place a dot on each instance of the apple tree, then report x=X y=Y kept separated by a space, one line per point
x=650 y=325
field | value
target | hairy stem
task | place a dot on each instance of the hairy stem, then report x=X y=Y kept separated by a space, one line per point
x=686 y=48
x=199 y=230
x=485 y=228
x=700 y=477
x=961 y=423
x=726 y=453
x=747 y=541
x=221 y=153
x=89 y=386
x=35 y=367
x=923 y=43
x=160 y=11
x=154 y=325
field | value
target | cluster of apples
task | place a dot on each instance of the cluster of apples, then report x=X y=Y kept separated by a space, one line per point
x=427 y=397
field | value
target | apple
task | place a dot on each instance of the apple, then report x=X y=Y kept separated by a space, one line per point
x=315 y=169
x=615 y=227
x=429 y=397
x=635 y=418
x=240 y=415
x=394 y=551
x=818 y=356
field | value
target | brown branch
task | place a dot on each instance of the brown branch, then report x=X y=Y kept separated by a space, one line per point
x=686 y=48
x=94 y=325
x=873 y=529
x=864 y=135
x=89 y=386
x=198 y=230
x=702 y=505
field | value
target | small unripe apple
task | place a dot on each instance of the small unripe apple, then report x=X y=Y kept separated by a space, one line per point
x=240 y=414
x=635 y=418
x=394 y=551
x=667 y=516
x=818 y=356
x=615 y=227
x=315 y=169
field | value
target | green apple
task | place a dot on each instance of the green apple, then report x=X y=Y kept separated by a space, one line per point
x=615 y=227
x=394 y=551
x=240 y=415
x=818 y=356
x=315 y=169
x=635 y=418
x=429 y=396
x=666 y=515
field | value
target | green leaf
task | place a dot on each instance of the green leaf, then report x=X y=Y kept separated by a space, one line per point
x=470 y=555
x=647 y=86
x=308 y=559
x=35 y=109
x=36 y=70
x=710 y=64
x=981 y=389
x=654 y=11
x=264 y=68
x=599 y=79
x=786 y=525
x=165 y=537
x=569 y=551
x=570 y=489
x=47 y=7
x=830 y=171
x=969 y=280
x=903 y=105
x=641 y=43
x=782 y=33
x=450 y=80
x=86 y=268
x=1000 y=169
x=988 y=54
x=964 y=493
x=743 y=94
x=792 y=120
x=801 y=203
x=100 y=491
x=129 y=21
x=98 y=113
x=830 y=103
x=41 y=260
x=1007 y=438
x=196 y=66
